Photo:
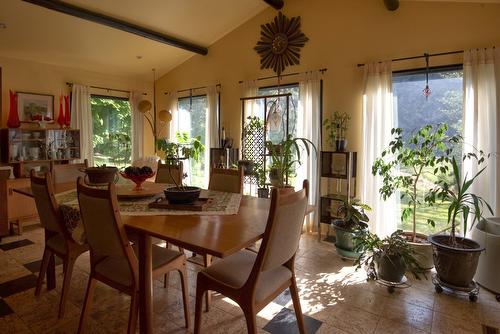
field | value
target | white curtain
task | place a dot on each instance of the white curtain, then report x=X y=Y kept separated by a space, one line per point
x=81 y=118
x=172 y=105
x=137 y=126
x=378 y=120
x=212 y=129
x=480 y=119
x=251 y=88
x=309 y=126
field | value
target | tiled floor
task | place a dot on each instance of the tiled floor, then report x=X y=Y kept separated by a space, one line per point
x=335 y=299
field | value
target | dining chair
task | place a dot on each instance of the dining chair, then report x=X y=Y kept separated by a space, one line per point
x=58 y=239
x=65 y=173
x=254 y=280
x=169 y=173
x=227 y=180
x=113 y=259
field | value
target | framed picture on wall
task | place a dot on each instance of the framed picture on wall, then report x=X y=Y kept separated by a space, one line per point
x=34 y=107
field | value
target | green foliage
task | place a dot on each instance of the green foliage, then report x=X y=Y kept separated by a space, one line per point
x=370 y=247
x=183 y=148
x=428 y=150
x=254 y=124
x=462 y=202
x=286 y=155
x=337 y=126
x=261 y=175
x=353 y=212
x=111 y=121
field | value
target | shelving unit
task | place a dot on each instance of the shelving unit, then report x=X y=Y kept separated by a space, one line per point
x=338 y=171
x=25 y=149
x=223 y=157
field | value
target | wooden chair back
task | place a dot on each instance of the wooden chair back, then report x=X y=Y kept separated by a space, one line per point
x=65 y=173
x=227 y=180
x=171 y=174
x=104 y=229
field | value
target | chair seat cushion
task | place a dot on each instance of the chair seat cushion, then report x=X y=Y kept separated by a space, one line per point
x=235 y=269
x=117 y=269
x=57 y=243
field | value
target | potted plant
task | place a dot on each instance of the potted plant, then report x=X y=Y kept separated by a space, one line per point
x=353 y=223
x=455 y=257
x=389 y=258
x=336 y=128
x=100 y=174
x=262 y=190
x=284 y=160
x=403 y=165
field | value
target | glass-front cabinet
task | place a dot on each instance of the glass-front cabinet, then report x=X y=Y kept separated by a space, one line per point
x=27 y=149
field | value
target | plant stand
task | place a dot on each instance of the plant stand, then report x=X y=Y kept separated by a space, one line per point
x=472 y=290
x=391 y=286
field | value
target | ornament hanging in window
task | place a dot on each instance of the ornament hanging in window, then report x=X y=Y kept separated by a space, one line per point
x=427 y=91
x=280 y=43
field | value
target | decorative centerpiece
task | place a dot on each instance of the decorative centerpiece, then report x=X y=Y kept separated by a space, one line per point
x=137 y=175
x=182 y=194
x=100 y=175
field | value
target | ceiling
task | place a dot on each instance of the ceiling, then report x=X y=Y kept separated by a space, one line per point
x=42 y=35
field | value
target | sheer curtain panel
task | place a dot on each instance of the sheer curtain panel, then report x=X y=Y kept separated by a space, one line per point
x=480 y=119
x=309 y=126
x=212 y=129
x=378 y=120
x=137 y=126
x=81 y=118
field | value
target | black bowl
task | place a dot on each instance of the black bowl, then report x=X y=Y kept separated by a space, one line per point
x=184 y=195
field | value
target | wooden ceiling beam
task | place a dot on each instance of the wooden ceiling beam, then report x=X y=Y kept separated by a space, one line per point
x=85 y=14
x=276 y=4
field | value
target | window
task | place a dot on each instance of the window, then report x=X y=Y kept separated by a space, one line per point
x=192 y=119
x=111 y=120
x=414 y=111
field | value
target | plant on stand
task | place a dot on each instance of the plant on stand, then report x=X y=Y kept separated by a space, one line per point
x=262 y=190
x=353 y=223
x=456 y=258
x=403 y=165
x=336 y=128
x=284 y=159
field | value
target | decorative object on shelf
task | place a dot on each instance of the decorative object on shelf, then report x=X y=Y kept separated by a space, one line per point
x=138 y=175
x=13 y=120
x=456 y=258
x=427 y=91
x=429 y=150
x=100 y=175
x=67 y=116
x=34 y=107
x=61 y=118
x=280 y=43
x=223 y=157
x=336 y=128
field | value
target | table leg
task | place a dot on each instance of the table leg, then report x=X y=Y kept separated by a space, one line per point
x=207 y=262
x=145 y=284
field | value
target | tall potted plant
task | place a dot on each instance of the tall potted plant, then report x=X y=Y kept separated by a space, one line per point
x=455 y=257
x=336 y=128
x=262 y=190
x=284 y=158
x=403 y=165
x=353 y=223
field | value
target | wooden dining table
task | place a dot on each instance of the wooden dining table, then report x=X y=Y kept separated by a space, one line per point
x=213 y=235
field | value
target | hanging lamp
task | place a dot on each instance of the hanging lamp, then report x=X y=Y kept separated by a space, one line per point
x=427 y=91
x=274 y=117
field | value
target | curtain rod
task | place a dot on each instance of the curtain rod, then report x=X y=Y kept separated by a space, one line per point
x=323 y=70
x=70 y=84
x=426 y=55
x=194 y=88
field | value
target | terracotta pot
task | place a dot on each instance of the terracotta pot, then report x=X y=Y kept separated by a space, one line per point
x=423 y=251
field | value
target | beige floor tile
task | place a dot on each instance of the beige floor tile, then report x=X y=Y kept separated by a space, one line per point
x=27 y=254
x=408 y=314
x=12 y=324
x=447 y=324
x=349 y=319
x=388 y=326
x=458 y=306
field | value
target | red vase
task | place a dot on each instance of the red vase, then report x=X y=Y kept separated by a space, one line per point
x=68 y=113
x=60 y=119
x=13 y=121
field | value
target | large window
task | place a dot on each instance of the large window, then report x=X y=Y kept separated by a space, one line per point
x=192 y=119
x=414 y=110
x=111 y=117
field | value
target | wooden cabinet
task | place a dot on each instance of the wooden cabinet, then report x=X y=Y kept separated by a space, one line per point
x=13 y=206
x=27 y=149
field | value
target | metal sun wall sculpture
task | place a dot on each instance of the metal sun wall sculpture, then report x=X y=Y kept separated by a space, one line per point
x=280 y=43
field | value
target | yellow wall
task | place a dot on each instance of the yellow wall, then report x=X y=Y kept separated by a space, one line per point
x=26 y=76
x=341 y=34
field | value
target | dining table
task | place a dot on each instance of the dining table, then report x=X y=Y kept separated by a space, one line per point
x=218 y=235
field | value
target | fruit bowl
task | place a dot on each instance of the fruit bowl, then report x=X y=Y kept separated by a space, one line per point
x=137 y=175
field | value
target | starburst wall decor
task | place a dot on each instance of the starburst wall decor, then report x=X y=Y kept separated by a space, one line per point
x=280 y=43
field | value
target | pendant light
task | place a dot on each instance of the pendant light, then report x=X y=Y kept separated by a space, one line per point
x=427 y=91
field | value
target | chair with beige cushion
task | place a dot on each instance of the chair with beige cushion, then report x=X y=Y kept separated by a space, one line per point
x=66 y=173
x=254 y=280
x=58 y=239
x=171 y=174
x=227 y=180
x=113 y=259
